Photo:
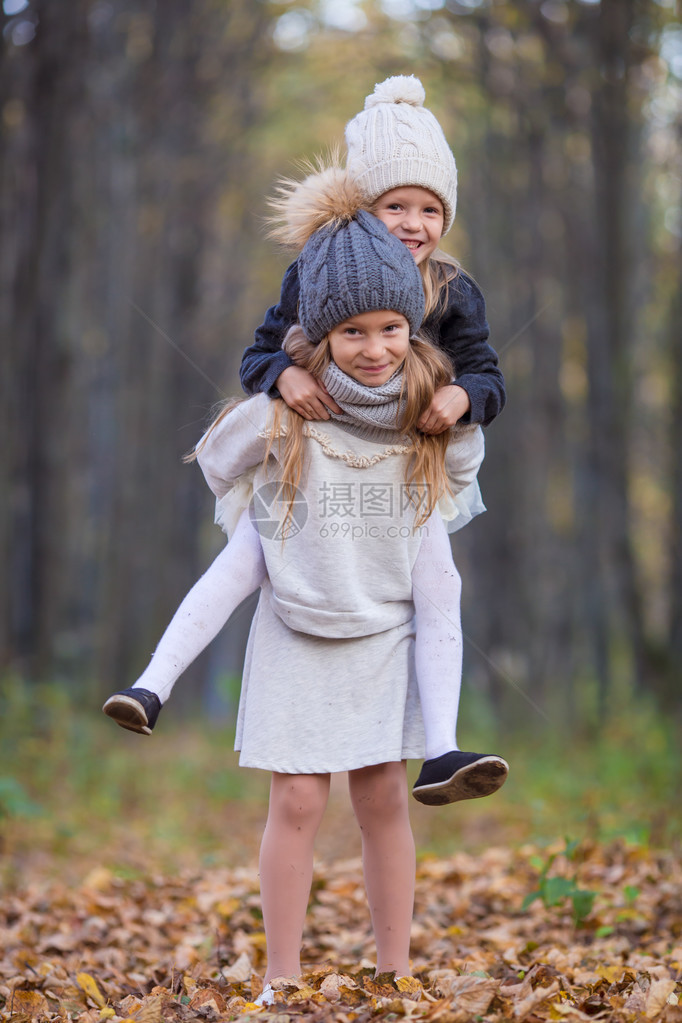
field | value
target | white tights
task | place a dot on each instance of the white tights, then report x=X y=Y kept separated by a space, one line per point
x=240 y=569
x=436 y=592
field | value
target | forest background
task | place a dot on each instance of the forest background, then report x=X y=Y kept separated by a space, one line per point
x=139 y=143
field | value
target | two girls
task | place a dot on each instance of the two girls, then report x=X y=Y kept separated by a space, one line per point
x=405 y=173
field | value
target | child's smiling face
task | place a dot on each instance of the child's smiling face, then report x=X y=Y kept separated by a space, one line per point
x=370 y=347
x=415 y=216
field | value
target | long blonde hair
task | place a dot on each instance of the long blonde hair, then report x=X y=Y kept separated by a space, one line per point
x=425 y=368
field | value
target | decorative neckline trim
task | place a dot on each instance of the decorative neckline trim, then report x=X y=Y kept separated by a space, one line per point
x=352 y=458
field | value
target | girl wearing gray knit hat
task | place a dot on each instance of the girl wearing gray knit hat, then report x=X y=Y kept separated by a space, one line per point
x=330 y=679
x=347 y=521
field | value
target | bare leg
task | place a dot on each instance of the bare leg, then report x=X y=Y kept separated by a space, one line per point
x=380 y=801
x=237 y=571
x=436 y=591
x=297 y=803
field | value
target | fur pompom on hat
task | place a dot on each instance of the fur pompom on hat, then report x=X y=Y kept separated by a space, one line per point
x=327 y=197
x=350 y=262
x=396 y=141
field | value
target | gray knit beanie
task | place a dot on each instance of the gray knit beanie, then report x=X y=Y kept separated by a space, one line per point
x=356 y=268
x=396 y=141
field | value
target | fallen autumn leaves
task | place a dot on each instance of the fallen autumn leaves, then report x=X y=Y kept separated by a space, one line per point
x=192 y=947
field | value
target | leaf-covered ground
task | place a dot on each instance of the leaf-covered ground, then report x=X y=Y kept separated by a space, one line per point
x=602 y=939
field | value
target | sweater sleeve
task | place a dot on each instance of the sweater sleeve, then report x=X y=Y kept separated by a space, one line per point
x=264 y=360
x=463 y=456
x=237 y=443
x=462 y=332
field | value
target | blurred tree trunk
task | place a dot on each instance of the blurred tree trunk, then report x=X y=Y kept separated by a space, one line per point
x=40 y=208
x=670 y=686
x=137 y=146
x=524 y=559
x=616 y=134
x=130 y=128
x=553 y=229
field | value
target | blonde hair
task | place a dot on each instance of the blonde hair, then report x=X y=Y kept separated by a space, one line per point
x=437 y=271
x=424 y=370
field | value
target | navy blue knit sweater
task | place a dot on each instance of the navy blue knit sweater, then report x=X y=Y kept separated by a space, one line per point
x=461 y=331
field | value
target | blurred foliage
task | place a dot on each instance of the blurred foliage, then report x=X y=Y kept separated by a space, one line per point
x=138 y=149
x=107 y=796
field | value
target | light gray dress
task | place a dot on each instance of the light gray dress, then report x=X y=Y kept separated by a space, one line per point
x=329 y=681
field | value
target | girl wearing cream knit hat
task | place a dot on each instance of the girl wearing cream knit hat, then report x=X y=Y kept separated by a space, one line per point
x=396 y=141
x=401 y=162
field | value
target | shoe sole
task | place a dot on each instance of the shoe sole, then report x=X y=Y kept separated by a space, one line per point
x=474 y=781
x=127 y=713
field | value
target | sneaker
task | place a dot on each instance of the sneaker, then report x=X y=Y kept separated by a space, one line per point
x=456 y=776
x=266 y=997
x=134 y=709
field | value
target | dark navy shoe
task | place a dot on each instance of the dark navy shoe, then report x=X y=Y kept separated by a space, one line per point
x=134 y=709
x=456 y=776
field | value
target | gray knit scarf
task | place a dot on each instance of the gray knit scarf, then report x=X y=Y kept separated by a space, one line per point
x=377 y=407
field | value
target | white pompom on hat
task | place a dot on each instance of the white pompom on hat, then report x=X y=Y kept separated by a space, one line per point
x=396 y=141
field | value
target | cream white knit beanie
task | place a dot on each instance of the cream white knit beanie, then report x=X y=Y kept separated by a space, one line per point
x=396 y=141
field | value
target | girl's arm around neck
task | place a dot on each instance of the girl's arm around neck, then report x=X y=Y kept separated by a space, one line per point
x=462 y=332
x=264 y=360
x=464 y=456
x=237 y=443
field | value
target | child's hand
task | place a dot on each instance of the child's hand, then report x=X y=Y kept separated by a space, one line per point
x=449 y=404
x=304 y=394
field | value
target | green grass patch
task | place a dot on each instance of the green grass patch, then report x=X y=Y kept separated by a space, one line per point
x=76 y=791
